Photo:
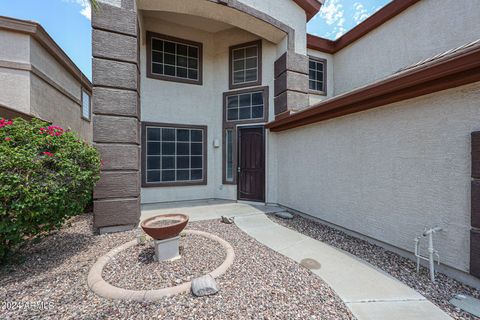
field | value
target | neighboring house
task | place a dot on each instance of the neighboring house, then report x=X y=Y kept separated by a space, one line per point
x=232 y=100
x=39 y=80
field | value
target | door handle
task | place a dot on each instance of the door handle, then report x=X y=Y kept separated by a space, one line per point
x=238 y=169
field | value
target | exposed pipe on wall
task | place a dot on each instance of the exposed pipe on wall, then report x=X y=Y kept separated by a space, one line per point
x=431 y=251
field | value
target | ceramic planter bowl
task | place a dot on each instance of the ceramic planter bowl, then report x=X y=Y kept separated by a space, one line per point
x=165 y=226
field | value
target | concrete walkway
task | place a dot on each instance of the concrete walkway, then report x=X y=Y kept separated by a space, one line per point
x=207 y=209
x=367 y=291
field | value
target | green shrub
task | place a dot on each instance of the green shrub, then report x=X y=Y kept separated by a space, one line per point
x=46 y=176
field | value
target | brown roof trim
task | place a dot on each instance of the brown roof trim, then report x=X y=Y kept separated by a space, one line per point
x=377 y=19
x=460 y=68
x=38 y=33
x=321 y=44
x=311 y=7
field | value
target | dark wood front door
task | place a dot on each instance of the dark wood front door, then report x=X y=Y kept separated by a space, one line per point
x=251 y=164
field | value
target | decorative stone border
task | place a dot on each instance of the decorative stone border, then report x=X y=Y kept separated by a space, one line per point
x=104 y=289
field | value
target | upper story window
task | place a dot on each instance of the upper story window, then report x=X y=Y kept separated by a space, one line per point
x=317 y=75
x=246 y=65
x=85 y=105
x=173 y=59
x=174 y=154
x=246 y=105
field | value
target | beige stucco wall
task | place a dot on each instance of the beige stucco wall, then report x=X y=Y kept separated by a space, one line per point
x=15 y=89
x=23 y=91
x=43 y=61
x=288 y=12
x=15 y=83
x=173 y=102
x=49 y=103
x=390 y=171
x=14 y=46
x=425 y=29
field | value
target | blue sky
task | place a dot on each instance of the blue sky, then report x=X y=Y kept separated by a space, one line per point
x=338 y=16
x=68 y=21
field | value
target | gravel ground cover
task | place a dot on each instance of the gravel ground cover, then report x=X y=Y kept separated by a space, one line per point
x=399 y=267
x=136 y=269
x=261 y=284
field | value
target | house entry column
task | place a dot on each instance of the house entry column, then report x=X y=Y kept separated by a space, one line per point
x=116 y=113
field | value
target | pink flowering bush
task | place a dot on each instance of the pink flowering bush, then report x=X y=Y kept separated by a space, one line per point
x=46 y=176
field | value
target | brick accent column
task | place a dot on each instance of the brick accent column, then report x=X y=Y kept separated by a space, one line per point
x=116 y=114
x=475 y=207
x=291 y=83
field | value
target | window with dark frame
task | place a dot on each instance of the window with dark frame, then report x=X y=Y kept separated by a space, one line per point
x=247 y=106
x=86 y=105
x=317 y=72
x=245 y=65
x=174 y=155
x=174 y=59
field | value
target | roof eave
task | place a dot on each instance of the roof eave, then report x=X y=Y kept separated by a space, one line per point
x=311 y=7
x=460 y=69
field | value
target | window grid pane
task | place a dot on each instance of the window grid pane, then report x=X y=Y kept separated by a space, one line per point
x=175 y=59
x=316 y=75
x=245 y=106
x=174 y=154
x=85 y=105
x=245 y=65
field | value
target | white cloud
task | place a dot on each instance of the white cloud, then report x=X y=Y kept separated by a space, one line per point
x=360 y=14
x=333 y=14
x=86 y=10
x=340 y=31
x=331 y=11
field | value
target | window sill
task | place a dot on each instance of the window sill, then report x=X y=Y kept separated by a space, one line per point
x=232 y=86
x=317 y=93
x=173 y=79
x=173 y=184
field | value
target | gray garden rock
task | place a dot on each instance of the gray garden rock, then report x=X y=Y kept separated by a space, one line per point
x=284 y=215
x=204 y=286
x=227 y=220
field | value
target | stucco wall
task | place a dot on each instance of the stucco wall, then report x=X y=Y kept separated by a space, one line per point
x=253 y=21
x=288 y=12
x=390 y=171
x=43 y=61
x=22 y=90
x=14 y=46
x=49 y=104
x=423 y=30
x=173 y=102
x=14 y=88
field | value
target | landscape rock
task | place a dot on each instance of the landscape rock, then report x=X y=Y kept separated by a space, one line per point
x=204 y=286
x=227 y=220
x=260 y=284
x=401 y=268
x=284 y=215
